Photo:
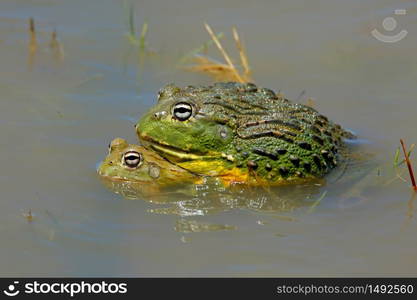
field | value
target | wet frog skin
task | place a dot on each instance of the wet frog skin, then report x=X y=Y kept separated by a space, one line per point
x=241 y=133
x=134 y=163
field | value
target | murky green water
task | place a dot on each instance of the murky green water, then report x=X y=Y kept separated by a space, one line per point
x=58 y=116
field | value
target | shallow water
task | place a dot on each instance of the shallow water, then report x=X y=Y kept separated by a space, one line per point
x=57 y=117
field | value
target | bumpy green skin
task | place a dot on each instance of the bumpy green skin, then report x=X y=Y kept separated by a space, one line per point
x=242 y=129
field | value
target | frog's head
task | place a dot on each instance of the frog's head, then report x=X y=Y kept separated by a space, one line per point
x=134 y=163
x=186 y=125
x=130 y=163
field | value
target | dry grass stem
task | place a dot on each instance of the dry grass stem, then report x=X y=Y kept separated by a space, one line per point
x=223 y=52
x=56 y=46
x=33 y=43
x=242 y=53
x=409 y=166
x=215 y=69
x=220 y=71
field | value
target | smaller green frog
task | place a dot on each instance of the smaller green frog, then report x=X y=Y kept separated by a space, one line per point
x=134 y=163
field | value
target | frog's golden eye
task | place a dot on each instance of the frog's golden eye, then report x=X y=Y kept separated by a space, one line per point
x=182 y=111
x=132 y=159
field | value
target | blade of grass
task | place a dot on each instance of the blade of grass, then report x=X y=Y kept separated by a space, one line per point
x=225 y=55
x=132 y=30
x=199 y=49
x=32 y=32
x=205 y=61
x=409 y=166
x=242 y=53
x=33 y=43
x=56 y=46
x=142 y=41
x=303 y=92
x=411 y=150
x=396 y=157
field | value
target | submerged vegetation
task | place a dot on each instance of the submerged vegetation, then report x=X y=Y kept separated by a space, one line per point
x=219 y=71
x=140 y=41
x=55 y=47
x=33 y=42
x=398 y=163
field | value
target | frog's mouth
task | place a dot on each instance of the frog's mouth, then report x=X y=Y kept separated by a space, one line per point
x=122 y=179
x=172 y=152
x=108 y=175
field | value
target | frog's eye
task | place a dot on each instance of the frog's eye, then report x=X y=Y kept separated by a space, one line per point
x=182 y=111
x=132 y=159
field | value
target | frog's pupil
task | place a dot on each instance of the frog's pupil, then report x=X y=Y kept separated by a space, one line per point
x=132 y=159
x=182 y=111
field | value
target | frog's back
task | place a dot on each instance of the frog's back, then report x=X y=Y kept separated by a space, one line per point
x=243 y=133
x=276 y=139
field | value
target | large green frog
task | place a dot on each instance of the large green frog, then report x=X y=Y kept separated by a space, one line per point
x=134 y=163
x=241 y=133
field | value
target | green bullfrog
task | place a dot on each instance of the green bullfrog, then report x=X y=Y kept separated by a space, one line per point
x=189 y=195
x=137 y=173
x=241 y=133
x=134 y=163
